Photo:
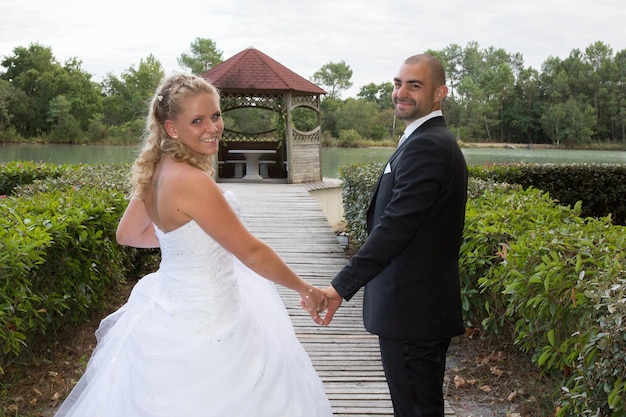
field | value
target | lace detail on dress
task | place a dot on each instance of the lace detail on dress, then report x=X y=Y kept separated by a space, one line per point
x=196 y=274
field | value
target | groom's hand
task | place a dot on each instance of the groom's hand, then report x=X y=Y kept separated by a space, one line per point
x=334 y=301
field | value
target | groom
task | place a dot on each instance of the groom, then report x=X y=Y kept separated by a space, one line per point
x=409 y=262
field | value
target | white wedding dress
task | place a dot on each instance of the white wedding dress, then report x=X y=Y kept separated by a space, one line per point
x=203 y=336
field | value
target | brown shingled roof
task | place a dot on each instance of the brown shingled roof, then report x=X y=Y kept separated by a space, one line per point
x=251 y=69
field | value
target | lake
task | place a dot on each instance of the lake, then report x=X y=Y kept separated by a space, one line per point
x=332 y=158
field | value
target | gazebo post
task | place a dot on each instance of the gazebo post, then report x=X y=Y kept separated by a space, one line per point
x=289 y=138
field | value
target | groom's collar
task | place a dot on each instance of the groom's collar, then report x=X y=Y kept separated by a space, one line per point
x=417 y=123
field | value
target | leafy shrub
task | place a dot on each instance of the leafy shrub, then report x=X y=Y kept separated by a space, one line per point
x=484 y=231
x=598 y=385
x=358 y=184
x=13 y=174
x=540 y=268
x=22 y=250
x=58 y=255
x=601 y=187
x=349 y=138
x=97 y=130
x=67 y=260
x=80 y=176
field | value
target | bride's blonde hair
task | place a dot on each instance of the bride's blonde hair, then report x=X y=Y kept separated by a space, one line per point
x=166 y=105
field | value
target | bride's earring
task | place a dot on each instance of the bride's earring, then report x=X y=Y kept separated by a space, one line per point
x=170 y=129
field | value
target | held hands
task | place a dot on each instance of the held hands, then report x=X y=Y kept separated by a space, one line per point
x=315 y=301
x=333 y=303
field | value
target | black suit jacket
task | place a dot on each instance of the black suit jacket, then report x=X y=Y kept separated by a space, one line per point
x=409 y=264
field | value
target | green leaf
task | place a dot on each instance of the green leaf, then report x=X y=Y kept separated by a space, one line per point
x=551 y=337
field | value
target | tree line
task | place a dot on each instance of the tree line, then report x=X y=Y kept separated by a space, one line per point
x=577 y=101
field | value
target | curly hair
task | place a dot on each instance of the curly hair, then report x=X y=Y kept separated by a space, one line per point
x=166 y=104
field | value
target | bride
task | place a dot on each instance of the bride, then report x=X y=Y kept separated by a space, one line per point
x=206 y=334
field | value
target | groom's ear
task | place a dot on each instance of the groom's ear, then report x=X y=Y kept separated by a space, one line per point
x=441 y=92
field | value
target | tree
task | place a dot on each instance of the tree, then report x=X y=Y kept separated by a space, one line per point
x=203 y=55
x=64 y=126
x=500 y=86
x=329 y=108
x=35 y=72
x=580 y=123
x=114 y=112
x=521 y=110
x=31 y=70
x=126 y=97
x=470 y=98
x=6 y=90
x=60 y=108
x=377 y=93
x=570 y=123
x=451 y=58
x=602 y=80
x=304 y=118
x=335 y=76
x=250 y=119
x=620 y=93
x=84 y=95
x=358 y=115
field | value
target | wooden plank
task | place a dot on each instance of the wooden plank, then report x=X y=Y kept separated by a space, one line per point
x=346 y=357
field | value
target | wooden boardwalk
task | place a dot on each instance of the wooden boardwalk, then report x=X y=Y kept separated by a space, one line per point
x=346 y=357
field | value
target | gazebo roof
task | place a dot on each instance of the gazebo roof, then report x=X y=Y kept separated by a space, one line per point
x=252 y=70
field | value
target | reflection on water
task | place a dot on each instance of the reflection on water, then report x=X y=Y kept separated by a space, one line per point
x=332 y=158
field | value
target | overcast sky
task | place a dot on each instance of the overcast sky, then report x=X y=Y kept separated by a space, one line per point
x=371 y=36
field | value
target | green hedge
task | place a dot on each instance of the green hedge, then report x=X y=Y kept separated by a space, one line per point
x=537 y=272
x=59 y=260
x=358 y=182
x=14 y=174
x=601 y=187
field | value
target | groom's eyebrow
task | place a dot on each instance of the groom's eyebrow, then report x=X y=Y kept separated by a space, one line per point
x=397 y=80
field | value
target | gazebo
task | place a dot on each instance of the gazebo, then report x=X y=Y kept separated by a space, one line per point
x=284 y=153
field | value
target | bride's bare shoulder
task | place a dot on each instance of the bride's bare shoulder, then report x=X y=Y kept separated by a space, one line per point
x=182 y=174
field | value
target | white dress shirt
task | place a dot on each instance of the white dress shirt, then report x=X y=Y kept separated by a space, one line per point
x=417 y=123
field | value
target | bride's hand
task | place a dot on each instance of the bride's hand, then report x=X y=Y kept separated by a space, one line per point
x=314 y=301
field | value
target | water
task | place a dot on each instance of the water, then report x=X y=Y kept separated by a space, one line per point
x=66 y=154
x=332 y=158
